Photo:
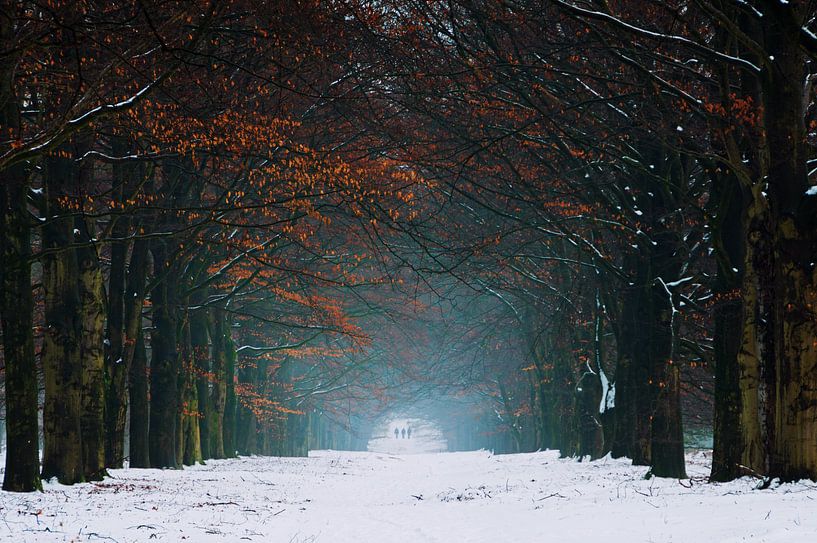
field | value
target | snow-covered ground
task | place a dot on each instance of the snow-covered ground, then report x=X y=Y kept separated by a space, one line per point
x=338 y=497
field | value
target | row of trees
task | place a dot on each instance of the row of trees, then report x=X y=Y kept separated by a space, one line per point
x=639 y=170
x=175 y=234
x=230 y=199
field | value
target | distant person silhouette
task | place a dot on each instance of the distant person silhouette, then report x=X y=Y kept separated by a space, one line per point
x=409 y=432
x=396 y=433
x=404 y=433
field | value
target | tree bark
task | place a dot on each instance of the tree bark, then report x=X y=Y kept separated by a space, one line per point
x=116 y=363
x=219 y=390
x=92 y=311
x=22 y=443
x=189 y=438
x=16 y=304
x=164 y=370
x=727 y=234
x=61 y=357
x=116 y=395
x=201 y=363
x=139 y=442
x=135 y=357
x=230 y=399
x=787 y=275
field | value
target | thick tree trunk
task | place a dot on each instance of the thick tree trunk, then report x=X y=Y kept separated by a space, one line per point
x=642 y=387
x=667 y=440
x=116 y=367
x=22 y=443
x=139 y=442
x=135 y=357
x=245 y=419
x=787 y=275
x=624 y=410
x=61 y=358
x=16 y=304
x=229 y=423
x=590 y=435
x=727 y=234
x=201 y=362
x=219 y=390
x=116 y=396
x=164 y=366
x=188 y=446
x=92 y=311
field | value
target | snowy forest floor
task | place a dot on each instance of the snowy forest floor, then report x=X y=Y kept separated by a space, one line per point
x=336 y=496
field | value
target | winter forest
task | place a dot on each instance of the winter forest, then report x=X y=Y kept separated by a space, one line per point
x=408 y=270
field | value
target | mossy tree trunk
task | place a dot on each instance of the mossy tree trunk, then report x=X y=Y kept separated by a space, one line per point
x=61 y=357
x=787 y=273
x=92 y=353
x=188 y=445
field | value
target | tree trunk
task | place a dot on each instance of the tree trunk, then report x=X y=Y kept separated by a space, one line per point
x=164 y=371
x=219 y=391
x=189 y=439
x=22 y=439
x=667 y=442
x=92 y=311
x=139 y=442
x=727 y=234
x=135 y=357
x=625 y=403
x=787 y=275
x=116 y=395
x=230 y=400
x=16 y=304
x=245 y=419
x=61 y=357
x=116 y=366
x=201 y=362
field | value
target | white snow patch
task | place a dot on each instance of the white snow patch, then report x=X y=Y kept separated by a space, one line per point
x=608 y=393
x=352 y=497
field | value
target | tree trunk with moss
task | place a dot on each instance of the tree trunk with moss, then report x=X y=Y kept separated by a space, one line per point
x=201 y=366
x=92 y=311
x=189 y=440
x=786 y=273
x=61 y=356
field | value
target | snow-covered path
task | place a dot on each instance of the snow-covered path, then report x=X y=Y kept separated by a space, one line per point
x=378 y=497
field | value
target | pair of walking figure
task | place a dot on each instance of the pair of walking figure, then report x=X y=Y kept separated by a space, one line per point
x=402 y=431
